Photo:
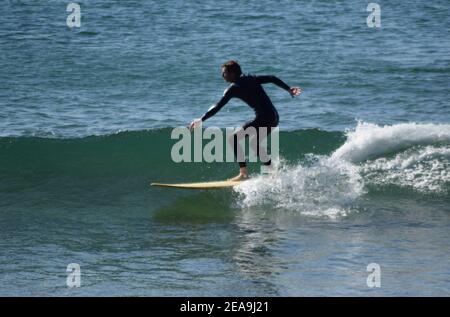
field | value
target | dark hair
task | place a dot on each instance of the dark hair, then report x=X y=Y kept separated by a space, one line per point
x=233 y=67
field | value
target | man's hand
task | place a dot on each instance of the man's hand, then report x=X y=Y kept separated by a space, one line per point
x=194 y=124
x=295 y=91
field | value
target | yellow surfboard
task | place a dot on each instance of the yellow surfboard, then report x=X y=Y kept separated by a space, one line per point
x=205 y=185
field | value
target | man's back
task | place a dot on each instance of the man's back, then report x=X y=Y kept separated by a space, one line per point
x=249 y=89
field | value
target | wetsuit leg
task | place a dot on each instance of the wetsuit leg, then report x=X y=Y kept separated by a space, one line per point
x=238 y=153
x=257 y=124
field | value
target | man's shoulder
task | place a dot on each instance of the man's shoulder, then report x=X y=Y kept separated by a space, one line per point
x=244 y=80
x=230 y=89
x=247 y=77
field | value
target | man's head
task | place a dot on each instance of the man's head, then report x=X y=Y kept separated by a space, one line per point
x=231 y=71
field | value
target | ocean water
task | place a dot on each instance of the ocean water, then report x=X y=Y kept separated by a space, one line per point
x=86 y=116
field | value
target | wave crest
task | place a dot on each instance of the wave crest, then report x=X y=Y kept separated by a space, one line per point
x=407 y=155
x=369 y=140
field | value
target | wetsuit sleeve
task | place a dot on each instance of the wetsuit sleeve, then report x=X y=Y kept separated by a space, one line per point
x=228 y=94
x=274 y=80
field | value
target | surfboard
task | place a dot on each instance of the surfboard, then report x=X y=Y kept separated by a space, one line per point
x=204 y=185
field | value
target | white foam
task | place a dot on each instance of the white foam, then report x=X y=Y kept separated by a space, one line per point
x=426 y=169
x=330 y=185
x=370 y=140
x=321 y=188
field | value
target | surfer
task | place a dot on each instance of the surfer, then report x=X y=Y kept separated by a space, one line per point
x=248 y=88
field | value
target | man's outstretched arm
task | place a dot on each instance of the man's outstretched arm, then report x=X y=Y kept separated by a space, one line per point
x=294 y=91
x=228 y=94
x=216 y=107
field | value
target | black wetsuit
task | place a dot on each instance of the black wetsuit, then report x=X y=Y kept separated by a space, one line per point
x=248 y=88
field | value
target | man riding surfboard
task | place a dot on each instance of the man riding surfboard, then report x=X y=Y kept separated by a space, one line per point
x=249 y=89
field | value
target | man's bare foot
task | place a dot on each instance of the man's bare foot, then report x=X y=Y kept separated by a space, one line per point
x=240 y=177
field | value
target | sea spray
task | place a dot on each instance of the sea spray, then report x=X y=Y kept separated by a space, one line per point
x=424 y=169
x=369 y=140
x=319 y=187
x=408 y=155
